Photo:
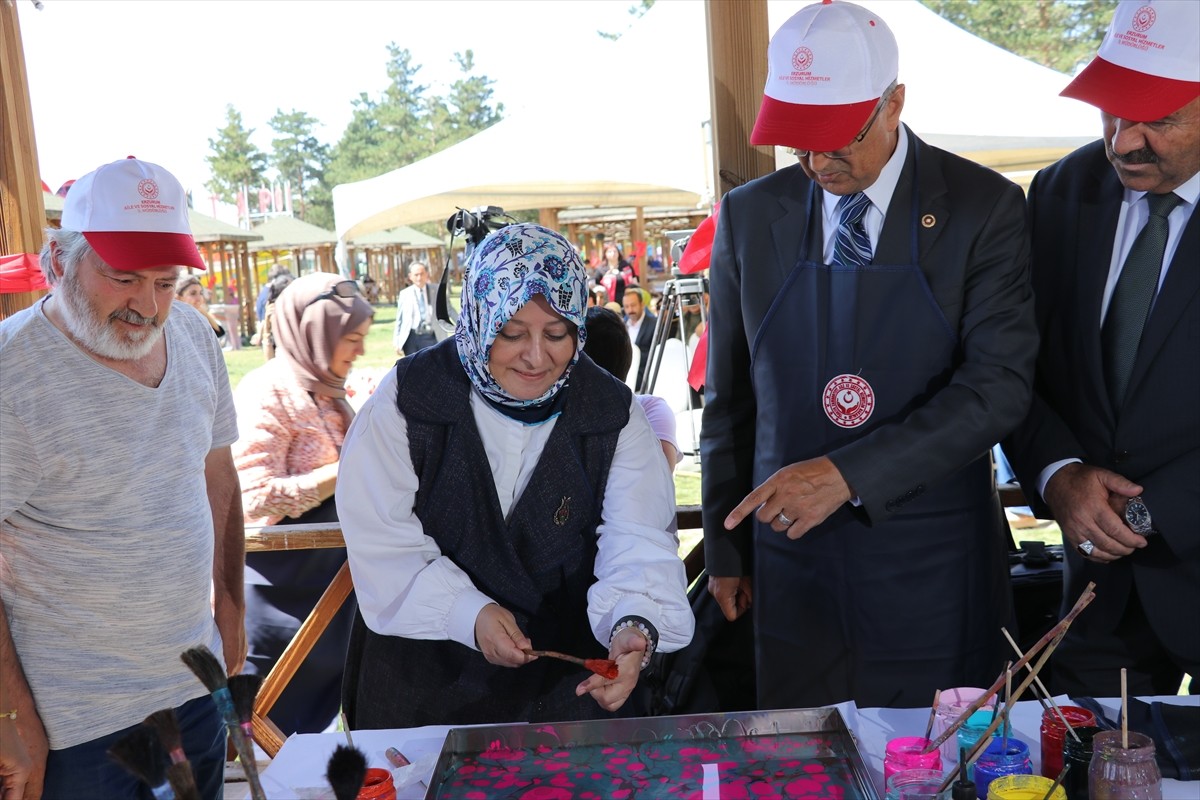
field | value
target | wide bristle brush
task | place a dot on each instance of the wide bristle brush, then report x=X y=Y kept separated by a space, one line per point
x=244 y=691
x=141 y=754
x=179 y=773
x=208 y=669
x=346 y=771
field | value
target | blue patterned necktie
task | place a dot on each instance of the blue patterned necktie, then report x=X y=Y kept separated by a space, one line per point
x=1133 y=295
x=851 y=245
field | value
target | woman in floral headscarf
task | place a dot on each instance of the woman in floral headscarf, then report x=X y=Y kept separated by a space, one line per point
x=499 y=493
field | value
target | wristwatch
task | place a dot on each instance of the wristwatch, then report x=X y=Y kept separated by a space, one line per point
x=1138 y=516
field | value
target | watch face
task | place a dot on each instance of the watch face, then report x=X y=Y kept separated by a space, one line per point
x=1138 y=516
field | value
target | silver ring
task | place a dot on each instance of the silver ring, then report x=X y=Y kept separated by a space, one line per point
x=783 y=520
x=1085 y=547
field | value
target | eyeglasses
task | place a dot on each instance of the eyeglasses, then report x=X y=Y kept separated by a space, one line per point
x=845 y=151
x=344 y=289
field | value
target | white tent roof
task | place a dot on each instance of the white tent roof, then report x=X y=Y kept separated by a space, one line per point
x=963 y=93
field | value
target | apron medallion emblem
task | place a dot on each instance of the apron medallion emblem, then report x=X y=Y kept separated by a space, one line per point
x=848 y=401
x=563 y=513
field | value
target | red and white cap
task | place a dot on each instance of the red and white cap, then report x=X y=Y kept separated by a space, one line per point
x=1148 y=65
x=134 y=215
x=827 y=67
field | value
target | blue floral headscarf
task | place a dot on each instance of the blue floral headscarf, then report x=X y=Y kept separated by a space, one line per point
x=507 y=269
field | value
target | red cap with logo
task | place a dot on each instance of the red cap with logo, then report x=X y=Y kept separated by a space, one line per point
x=134 y=215
x=827 y=67
x=1148 y=65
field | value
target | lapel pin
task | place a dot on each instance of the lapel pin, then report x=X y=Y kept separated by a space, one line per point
x=563 y=512
x=929 y=220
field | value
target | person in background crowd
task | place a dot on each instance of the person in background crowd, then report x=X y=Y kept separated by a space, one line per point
x=501 y=493
x=639 y=324
x=1111 y=447
x=847 y=485
x=611 y=274
x=415 y=309
x=294 y=415
x=190 y=291
x=274 y=288
x=609 y=346
x=121 y=541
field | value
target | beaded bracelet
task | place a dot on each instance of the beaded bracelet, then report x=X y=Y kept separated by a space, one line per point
x=642 y=627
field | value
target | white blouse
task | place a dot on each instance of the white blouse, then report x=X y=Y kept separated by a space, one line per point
x=406 y=587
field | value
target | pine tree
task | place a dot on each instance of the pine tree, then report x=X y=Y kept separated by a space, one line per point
x=235 y=161
x=298 y=155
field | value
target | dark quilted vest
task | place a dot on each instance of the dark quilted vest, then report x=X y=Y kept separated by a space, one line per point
x=538 y=564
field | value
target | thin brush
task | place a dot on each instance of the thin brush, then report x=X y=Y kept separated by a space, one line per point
x=208 y=669
x=179 y=773
x=604 y=667
x=244 y=690
x=141 y=754
x=346 y=771
x=932 y=713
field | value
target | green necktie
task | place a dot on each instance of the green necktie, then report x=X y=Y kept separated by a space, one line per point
x=1133 y=295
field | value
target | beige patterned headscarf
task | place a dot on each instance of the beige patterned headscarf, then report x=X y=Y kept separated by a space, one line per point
x=308 y=329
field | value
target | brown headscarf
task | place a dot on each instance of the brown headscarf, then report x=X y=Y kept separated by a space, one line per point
x=307 y=332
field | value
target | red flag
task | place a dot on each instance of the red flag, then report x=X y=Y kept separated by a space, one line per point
x=699 y=363
x=699 y=245
x=21 y=272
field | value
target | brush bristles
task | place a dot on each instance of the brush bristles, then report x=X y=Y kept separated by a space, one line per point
x=244 y=689
x=183 y=781
x=346 y=772
x=205 y=665
x=166 y=724
x=142 y=755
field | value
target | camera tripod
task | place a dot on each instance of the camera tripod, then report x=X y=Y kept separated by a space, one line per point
x=677 y=293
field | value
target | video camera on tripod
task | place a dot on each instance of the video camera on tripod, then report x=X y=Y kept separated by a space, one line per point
x=475 y=224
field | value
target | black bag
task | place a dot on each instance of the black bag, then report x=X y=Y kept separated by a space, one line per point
x=713 y=673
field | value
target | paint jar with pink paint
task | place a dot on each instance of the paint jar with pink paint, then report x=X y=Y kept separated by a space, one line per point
x=915 y=784
x=951 y=704
x=905 y=752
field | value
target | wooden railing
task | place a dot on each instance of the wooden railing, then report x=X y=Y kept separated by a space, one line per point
x=272 y=538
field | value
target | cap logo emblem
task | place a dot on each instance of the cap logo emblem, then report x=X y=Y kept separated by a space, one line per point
x=148 y=188
x=802 y=59
x=1143 y=19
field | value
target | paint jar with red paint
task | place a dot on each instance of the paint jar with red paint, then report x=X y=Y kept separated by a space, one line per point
x=904 y=753
x=1054 y=733
x=378 y=785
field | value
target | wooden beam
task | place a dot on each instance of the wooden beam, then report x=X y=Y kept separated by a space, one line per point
x=737 y=66
x=548 y=218
x=22 y=211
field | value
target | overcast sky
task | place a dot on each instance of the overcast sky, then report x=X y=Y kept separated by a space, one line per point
x=152 y=78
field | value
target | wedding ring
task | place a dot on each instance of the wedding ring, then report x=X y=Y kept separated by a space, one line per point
x=784 y=521
x=1085 y=548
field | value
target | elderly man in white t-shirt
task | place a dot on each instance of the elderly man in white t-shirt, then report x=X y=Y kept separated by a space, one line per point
x=121 y=540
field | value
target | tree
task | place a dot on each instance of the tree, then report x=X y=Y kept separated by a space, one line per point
x=635 y=11
x=235 y=162
x=470 y=107
x=298 y=155
x=1060 y=34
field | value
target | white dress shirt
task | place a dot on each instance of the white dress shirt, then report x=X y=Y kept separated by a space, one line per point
x=406 y=587
x=880 y=194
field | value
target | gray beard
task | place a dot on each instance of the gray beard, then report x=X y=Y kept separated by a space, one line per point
x=96 y=335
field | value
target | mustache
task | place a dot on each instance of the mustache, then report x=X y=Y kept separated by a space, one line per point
x=1141 y=156
x=132 y=317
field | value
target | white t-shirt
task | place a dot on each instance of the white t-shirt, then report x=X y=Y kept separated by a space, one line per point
x=106 y=535
x=406 y=587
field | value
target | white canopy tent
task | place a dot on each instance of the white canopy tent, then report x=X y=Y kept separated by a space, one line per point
x=963 y=94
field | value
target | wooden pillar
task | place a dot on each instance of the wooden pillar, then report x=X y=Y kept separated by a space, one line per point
x=737 y=65
x=22 y=211
x=548 y=218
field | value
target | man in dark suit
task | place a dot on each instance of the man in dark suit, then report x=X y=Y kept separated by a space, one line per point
x=871 y=337
x=640 y=322
x=1111 y=447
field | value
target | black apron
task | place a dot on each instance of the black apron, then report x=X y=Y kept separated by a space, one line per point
x=882 y=614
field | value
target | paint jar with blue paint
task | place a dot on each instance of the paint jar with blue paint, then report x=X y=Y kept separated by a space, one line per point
x=1002 y=757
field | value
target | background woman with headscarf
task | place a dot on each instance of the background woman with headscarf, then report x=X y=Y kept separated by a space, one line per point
x=502 y=492
x=292 y=417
